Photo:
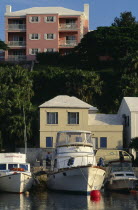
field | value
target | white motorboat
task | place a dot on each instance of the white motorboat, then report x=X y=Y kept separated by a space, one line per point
x=15 y=175
x=74 y=165
x=121 y=176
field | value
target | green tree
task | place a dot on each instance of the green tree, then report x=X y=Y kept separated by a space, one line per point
x=134 y=143
x=15 y=95
x=128 y=85
x=52 y=81
x=125 y=20
x=48 y=58
x=3 y=46
x=113 y=43
x=86 y=85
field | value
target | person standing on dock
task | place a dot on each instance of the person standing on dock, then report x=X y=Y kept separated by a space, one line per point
x=48 y=159
x=101 y=162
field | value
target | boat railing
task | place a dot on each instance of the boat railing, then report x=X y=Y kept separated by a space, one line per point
x=73 y=144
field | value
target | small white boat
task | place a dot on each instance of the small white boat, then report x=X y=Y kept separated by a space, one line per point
x=121 y=176
x=15 y=175
x=74 y=167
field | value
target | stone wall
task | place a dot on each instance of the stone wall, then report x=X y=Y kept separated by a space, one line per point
x=35 y=156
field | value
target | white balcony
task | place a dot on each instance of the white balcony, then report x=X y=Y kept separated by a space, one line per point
x=68 y=43
x=17 y=27
x=68 y=26
x=16 y=43
x=16 y=57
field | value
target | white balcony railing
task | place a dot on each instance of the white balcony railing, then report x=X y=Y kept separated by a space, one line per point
x=17 y=57
x=16 y=43
x=68 y=26
x=17 y=27
x=68 y=43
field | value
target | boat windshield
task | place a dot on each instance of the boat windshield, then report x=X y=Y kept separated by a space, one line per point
x=10 y=166
x=73 y=138
x=121 y=166
x=24 y=166
x=2 y=166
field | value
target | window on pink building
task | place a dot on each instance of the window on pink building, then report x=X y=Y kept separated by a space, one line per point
x=49 y=36
x=34 y=51
x=34 y=19
x=50 y=19
x=49 y=50
x=34 y=36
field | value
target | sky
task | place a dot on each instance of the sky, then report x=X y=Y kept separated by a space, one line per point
x=102 y=12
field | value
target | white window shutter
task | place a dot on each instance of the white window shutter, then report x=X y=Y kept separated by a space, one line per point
x=45 y=36
x=54 y=36
x=54 y=18
x=30 y=51
x=45 y=49
x=30 y=19
x=39 y=36
x=30 y=36
x=39 y=50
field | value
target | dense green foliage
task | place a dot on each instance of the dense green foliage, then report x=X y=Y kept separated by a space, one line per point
x=134 y=143
x=52 y=81
x=3 y=46
x=15 y=96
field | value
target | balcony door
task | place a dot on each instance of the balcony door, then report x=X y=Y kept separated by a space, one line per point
x=70 y=21
x=18 y=52
x=18 y=38
x=70 y=40
x=17 y=22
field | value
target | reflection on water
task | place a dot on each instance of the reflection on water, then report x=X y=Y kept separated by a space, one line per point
x=120 y=201
x=61 y=201
x=10 y=201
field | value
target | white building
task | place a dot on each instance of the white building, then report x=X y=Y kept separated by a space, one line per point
x=128 y=113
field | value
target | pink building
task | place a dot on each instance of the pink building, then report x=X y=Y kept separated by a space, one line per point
x=43 y=29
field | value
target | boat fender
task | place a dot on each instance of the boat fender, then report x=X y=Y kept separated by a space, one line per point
x=95 y=195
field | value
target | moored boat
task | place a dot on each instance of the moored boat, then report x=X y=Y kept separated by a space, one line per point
x=15 y=175
x=121 y=176
x=74 y=167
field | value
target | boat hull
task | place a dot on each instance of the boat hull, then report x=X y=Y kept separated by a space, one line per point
x=16 y=182
x=79 y=180
x=121 y=185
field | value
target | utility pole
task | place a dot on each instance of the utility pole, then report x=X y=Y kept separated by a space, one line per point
x=25 y=132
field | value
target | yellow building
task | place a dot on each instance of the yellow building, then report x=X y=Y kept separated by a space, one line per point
x=70 y=113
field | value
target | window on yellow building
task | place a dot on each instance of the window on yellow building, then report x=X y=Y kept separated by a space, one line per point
x=73 y=117
x=52 y=117
x=103 y=142
x=49 y=141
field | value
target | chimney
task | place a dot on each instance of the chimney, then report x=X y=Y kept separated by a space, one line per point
x=8 y=8
x=86 y=11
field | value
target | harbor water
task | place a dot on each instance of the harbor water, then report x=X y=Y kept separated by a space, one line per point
x=62 y=201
